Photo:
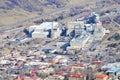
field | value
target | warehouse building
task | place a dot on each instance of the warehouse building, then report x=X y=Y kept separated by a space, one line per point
x=79 y=42
x=46 y=29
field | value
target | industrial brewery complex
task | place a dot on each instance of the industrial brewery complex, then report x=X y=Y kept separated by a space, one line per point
x=56 y=51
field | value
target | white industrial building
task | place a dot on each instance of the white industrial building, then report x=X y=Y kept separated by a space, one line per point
x=90 y=27
x=78 y=42
x=100 y=31
x=47 y=25
x=39 y=34
x=75 y=24
x=43 y=30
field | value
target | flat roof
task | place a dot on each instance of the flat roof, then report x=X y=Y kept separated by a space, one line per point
x=47 y=25
x=49 y=46
x=80 y=38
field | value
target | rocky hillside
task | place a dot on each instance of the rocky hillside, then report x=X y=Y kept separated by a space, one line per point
x=13 y=11
x=40 y=5
x=117 y=1
x=31 y=5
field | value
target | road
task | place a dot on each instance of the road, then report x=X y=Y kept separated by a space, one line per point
x=47 y=14
x=12 y=30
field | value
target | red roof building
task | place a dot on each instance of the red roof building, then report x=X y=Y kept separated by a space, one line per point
x=103 y=77
x=77 y=77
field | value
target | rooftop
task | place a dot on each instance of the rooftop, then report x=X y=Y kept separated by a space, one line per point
x=78 y=75
x=101 y=76
x=80 y=38
x=47 y=25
